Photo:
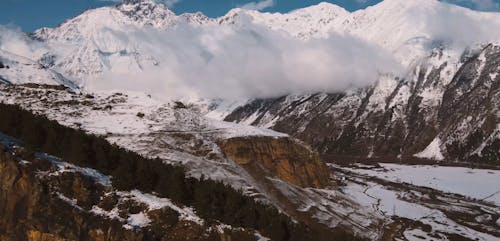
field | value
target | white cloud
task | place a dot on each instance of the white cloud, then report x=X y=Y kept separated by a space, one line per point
x=249 y=61
x=461 y=29
x=13 y=40
x=260 y=5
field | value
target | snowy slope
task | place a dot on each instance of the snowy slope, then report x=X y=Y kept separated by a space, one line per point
x=306 y=23
x=95 y=41
x=20 y=70
x=408 y=28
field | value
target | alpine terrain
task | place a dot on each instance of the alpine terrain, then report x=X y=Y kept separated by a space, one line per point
x=130 y=122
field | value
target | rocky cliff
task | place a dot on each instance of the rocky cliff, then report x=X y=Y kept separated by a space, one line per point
x=43 y=200
x=281 y=157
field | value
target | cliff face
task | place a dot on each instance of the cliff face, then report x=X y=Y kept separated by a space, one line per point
x=280 y=157
x=30 y=211
x=45 y=201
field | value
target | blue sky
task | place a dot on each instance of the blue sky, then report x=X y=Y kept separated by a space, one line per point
x=33 y=14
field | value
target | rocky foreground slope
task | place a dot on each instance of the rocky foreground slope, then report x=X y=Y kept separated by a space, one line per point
x=46 y=200
x=181 y=136
x=110 y=192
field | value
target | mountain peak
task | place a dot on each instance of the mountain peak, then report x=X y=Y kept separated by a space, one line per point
x=323 y=7
x=140 y=2
x=140 y=10
x=144 y=7
x=330 y=6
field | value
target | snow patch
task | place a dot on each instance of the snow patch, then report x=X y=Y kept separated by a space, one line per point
x=67 y=167
x=155 y=203
x=389 y=203
x=139 y=220
x=260 y=237
x=417 y=235
x=432 y=151
x=112 y=214
x=72 y=202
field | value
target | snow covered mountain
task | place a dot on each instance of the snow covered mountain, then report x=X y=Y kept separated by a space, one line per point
x=440 y=111
x=444 y=107
x=91 y=42
x=404 y=113
x=103 y=39
x=443 y=104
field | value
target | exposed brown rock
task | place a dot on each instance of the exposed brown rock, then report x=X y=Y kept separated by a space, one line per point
x=283 y=157
x=33 y=235
x=32 y=210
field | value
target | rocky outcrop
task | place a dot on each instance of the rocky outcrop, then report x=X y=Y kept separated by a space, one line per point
x=41 y=202
x=281 y=157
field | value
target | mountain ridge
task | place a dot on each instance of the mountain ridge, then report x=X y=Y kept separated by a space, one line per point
x=100 y=31
x=397 y=102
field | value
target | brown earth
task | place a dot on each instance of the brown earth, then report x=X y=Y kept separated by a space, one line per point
x=282 y=157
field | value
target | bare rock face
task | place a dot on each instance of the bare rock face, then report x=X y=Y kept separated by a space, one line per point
x=282 y=157
x=39 y=202
x=39 y=236
x=32 y=211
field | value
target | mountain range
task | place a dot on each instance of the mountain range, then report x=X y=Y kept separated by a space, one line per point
x=438 y=103
x=284 y=107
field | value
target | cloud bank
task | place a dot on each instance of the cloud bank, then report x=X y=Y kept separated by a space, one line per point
x=248 y=61
x=13 y=40
x=459 y=28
